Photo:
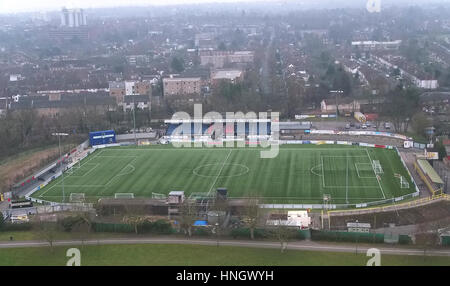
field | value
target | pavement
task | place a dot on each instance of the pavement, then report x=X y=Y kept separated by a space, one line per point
x=298 y=245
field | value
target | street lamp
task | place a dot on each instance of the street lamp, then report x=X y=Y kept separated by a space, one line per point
x=60 y=156
x=217 y=233
x=134 y=120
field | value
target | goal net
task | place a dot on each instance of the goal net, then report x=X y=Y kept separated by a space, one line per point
x=77 y=198
x=404 y=183
x=158 y=196
x=74 y=168
x=124 y=195
x=377 y=167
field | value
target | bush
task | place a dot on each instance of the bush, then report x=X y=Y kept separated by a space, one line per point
x=201 y=231
x=69 y=222
x=404 y=239
x=160 y=227
x=303 y=234
x=2 y=221
x=16 y=226
x=245 y=233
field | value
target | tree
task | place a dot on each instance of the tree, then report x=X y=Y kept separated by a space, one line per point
x=2 y=220
x=401 y=105
x=46 y=230
x=177 y=64
x=135 y=221
x=252 y=214
x=222 y=47
x=419 y=122
x=82 y=227
x=441 y=150
x=187 y=217
x=282 y=234
x=135 y=215
x=427 y=236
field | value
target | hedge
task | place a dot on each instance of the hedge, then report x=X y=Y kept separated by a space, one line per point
x=404 y=239
x=112 y=227
x=347 y=236
x=244 y=232
x=160 y=227
x=201 y=231
x=17 y=226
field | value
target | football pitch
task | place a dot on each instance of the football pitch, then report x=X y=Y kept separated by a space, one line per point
x=299 y=174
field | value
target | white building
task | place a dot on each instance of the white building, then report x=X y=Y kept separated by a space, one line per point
x=73 y=18
x=298 y=219
x=374 y=45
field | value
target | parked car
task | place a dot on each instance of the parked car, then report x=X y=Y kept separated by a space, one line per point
x=347 y=126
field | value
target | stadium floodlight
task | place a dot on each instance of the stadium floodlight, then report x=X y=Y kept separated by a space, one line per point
x=59 y=134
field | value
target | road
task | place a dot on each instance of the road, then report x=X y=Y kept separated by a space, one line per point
x=298 y=245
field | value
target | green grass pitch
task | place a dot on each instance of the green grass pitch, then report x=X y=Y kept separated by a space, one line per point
x=299 y=174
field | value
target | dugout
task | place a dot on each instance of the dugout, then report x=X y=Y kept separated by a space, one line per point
x=429 y=176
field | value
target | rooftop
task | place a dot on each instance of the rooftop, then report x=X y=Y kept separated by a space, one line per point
x=430 y=172
x=229 y=74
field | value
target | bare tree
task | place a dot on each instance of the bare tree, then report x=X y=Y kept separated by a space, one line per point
x=252 y=215
x=135 y=215
x=426 y=237
x=46 y=230
x=282 y=234
x=82 y=227
x=187 y=217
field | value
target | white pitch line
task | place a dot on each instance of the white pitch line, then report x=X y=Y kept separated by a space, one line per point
x=378 y=180
x=220 y=171
x=361 y=177
x=248 y=149
x=95 y=166
x=119 y=173
x=323 y=172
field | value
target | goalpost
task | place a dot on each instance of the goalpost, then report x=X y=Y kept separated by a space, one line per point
x=74 y=168
x=404 y=184
x=158 y=196
x=124 y=195
x=77 y=198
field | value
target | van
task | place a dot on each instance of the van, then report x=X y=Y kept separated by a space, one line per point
x=347 y=126
x=387 y=125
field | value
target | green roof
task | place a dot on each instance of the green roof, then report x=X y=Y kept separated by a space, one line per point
x=430 y=172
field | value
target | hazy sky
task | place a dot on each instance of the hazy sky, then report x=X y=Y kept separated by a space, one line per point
x=11 y=6
x=8 y=6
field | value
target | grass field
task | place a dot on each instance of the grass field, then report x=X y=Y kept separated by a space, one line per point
x=196 y=255
x=299 y=174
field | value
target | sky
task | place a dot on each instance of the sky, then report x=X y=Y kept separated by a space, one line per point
x=13 y=6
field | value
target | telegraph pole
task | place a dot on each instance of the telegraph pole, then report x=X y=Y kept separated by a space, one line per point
x=336 y=92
